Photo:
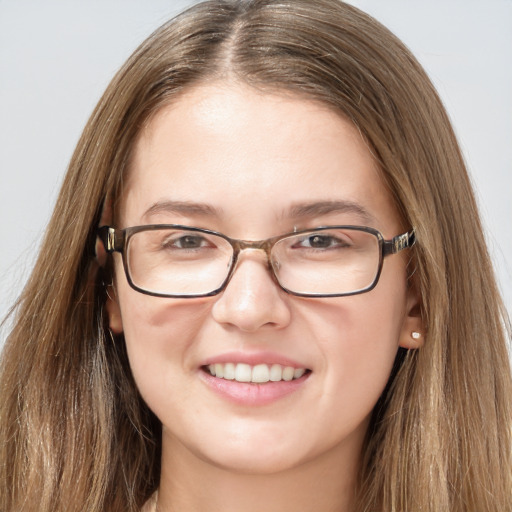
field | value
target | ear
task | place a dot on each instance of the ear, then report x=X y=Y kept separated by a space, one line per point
x=412 y=335
x=115 y=321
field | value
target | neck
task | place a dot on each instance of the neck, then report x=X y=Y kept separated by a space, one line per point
x=325 y=484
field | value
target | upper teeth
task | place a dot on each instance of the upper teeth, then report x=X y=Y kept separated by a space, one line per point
x=242 y=372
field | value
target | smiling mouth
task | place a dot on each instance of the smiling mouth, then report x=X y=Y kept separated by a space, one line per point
x=257 y=374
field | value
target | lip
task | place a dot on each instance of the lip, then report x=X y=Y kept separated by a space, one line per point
x=252 y=394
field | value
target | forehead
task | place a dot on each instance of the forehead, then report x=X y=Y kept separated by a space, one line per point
x=244 y=151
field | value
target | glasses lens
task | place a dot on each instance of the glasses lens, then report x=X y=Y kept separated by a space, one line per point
x=327 y=261
x=178 y=262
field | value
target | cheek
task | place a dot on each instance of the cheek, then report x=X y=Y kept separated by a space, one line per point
x=358 y=341
x=159 y=335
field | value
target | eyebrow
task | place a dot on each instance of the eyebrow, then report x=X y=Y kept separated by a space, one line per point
x=182 y=208
x=296 y=211
x=319 y=208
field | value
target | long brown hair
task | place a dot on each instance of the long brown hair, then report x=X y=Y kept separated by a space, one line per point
x=75 y=434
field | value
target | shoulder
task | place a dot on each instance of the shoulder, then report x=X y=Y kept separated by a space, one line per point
x=150 y=505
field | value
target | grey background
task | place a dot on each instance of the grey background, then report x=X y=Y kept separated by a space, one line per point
x=57 y=57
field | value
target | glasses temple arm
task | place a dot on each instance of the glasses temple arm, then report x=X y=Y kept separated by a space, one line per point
x=398 y=243
x=112 y=239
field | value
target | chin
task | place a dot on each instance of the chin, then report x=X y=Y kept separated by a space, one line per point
x=252 y=464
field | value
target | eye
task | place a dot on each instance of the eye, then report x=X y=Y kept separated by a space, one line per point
x=321 y=241
x=186 y=241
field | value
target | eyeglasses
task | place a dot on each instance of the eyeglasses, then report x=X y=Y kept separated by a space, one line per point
x=168 y=260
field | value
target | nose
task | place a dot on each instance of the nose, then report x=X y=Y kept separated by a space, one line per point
x=252 y=299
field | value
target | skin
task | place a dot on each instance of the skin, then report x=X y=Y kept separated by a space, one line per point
x=251 y=156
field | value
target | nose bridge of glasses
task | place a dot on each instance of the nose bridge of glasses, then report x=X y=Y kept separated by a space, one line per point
x=256 y=246
x=253 y=245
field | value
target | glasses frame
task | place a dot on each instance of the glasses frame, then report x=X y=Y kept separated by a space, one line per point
x=116 y=240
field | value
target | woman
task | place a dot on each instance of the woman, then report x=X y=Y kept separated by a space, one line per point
x=273 y=290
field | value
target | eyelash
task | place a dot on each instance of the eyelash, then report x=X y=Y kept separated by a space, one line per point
x=338 y=243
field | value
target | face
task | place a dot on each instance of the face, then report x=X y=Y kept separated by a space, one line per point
x=244 y=163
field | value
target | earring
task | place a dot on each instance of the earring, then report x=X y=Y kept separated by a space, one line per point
x=415 y=335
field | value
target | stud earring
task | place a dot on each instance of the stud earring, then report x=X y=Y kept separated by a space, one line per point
x=415 y=335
